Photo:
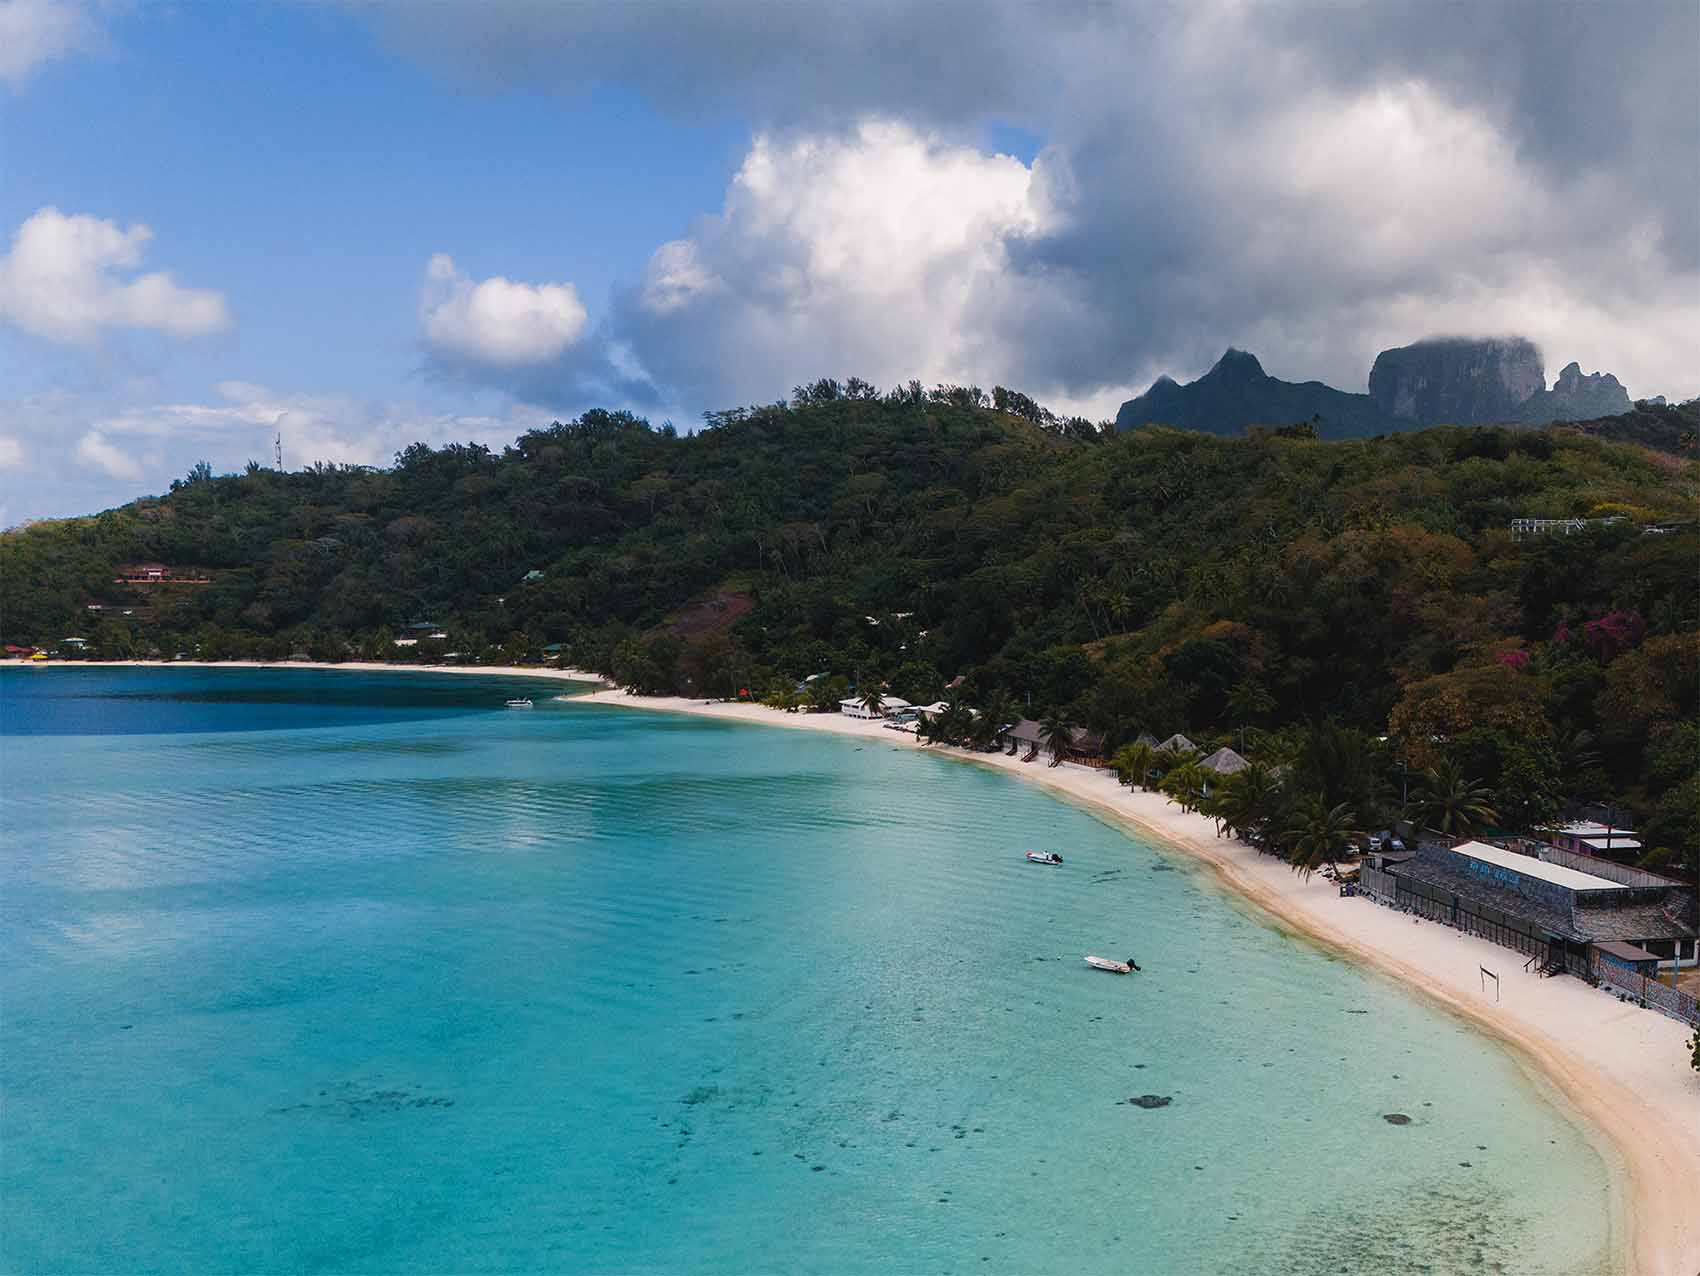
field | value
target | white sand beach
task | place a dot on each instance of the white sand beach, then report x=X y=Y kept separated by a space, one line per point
x=1622 y=1069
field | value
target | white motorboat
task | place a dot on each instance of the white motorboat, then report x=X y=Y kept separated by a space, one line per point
x=522 y=703
x=1111 y=964
x=1044 y=857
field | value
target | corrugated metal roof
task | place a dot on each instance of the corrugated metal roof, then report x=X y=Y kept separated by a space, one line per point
x=1529 y=866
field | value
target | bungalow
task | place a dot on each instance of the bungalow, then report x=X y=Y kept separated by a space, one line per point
x=1224 y=762
x=1179 y=744
x=856 y=709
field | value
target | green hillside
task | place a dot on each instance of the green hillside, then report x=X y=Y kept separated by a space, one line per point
x=1244 y=589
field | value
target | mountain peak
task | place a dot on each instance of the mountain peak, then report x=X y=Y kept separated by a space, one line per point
x=1239 y=365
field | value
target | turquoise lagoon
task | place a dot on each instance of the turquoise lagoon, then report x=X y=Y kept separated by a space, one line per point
x=362 y=973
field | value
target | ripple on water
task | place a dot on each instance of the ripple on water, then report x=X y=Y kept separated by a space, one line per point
x=596 y=991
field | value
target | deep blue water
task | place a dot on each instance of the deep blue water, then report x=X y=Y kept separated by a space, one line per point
x=362 y=973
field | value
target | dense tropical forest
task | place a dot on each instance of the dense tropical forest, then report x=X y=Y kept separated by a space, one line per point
x=1299 y=599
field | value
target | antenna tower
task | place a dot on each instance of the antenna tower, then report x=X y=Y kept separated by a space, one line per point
x=277 y=450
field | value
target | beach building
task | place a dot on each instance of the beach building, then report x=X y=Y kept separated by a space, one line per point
x=1224 y=762
x=1180 y=744
x=1584 y=837
x=1148 y=740
x=856 y=709
x=1560 y=909
x=1524 y=528
x=1028 y=739
x=154 y=574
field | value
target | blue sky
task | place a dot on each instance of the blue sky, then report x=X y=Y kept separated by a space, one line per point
x=389 y=222
x=280 y=156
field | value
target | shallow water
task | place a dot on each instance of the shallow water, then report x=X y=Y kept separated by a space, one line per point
x=407 y=982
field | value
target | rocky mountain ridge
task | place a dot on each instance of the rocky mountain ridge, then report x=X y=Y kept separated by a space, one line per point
x=1440 y=381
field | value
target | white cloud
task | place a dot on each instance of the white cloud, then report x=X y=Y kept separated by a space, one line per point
x=879 y=253
x=112 y=461
x=33 y=32
x=339 y=429
x=11 y=453
x=1310 y=181
x=497 y=321
x=66 y=279
x=129 y=444
x=675 y=277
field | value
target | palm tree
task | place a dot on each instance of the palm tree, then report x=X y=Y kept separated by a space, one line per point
x=954 y=722
x=1133 y=763
x=1450 y=803
x=1247 y=802
x=1576 y=753
x=999 y=710
x=1316 y=833
x=1165 y=760
x=1185 y=784
x=1058 y=734
x=873 y=700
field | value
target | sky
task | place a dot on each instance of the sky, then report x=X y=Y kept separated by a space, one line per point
x=359 y=225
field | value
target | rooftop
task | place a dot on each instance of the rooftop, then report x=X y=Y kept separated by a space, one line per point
x=1587 y=828
x=1618 y=842
x=1529 y=866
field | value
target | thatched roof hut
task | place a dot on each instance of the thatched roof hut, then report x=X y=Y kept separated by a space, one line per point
x=1224 y=762
x=1179 y=743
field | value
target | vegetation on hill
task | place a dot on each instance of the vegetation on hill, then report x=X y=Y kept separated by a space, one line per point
x=1296 y=598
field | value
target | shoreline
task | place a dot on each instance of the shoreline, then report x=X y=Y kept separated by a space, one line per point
x=1621 y=1071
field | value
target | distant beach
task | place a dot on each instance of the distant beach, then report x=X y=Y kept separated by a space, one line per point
x=1623 y=1070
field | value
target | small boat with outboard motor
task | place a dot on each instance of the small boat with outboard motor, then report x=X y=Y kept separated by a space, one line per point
x=524 y=702
x=1043 y=857
x=1111 y=964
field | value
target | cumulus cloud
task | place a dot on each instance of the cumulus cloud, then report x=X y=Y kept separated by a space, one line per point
x=34 y=32
x=70 y=278
x=877 y=253
x=497 y=322
x=11 y=453
x=1312 y=181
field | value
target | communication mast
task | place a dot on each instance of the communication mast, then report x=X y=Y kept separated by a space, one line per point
x=277 y=450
